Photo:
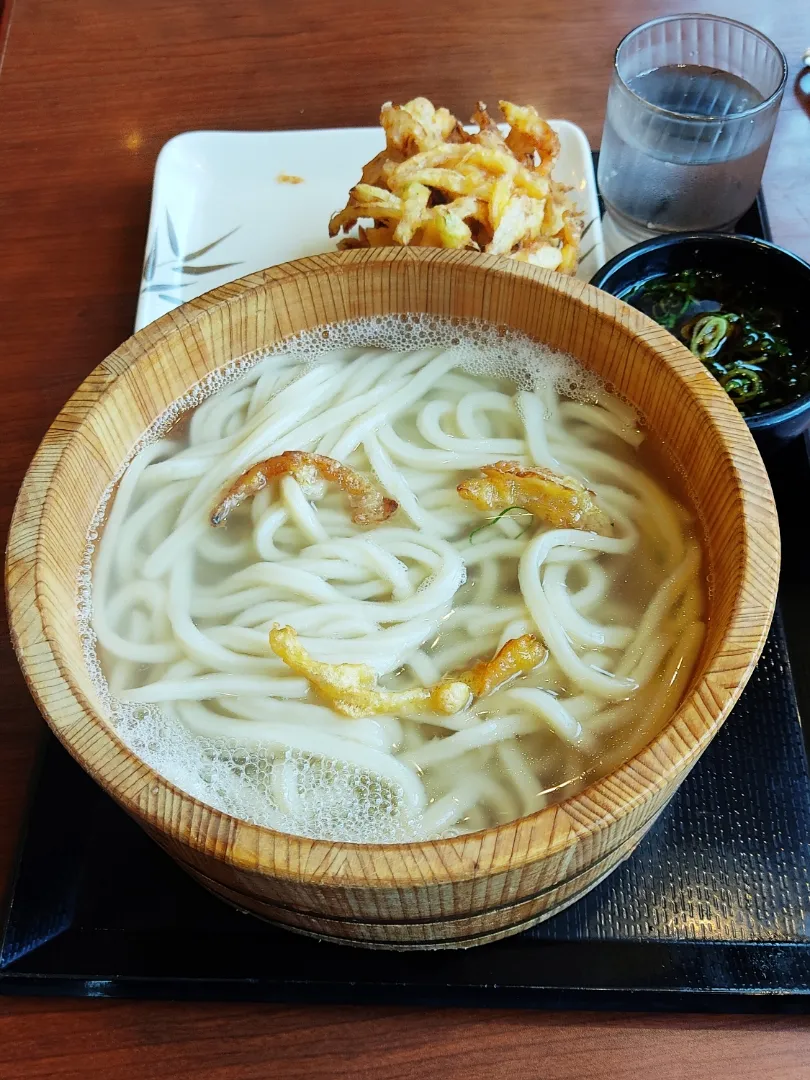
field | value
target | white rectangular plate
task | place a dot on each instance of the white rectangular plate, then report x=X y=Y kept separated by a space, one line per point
x=219 y=209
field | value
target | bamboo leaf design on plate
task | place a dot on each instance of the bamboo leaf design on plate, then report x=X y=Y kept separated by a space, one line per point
x=167 y=285
x=196 y=270
x=187 y=266
x=208 y=247
x=172 y=235
x=590 y=251
x=584 y=232
x=150 y=260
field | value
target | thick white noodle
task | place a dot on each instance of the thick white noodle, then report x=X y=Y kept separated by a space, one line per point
x=182 y=611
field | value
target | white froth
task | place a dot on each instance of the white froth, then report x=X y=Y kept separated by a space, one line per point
x=331 y=800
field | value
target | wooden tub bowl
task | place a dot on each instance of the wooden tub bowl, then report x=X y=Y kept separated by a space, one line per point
x=448 y=893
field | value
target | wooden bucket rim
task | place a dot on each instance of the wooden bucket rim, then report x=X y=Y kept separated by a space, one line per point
x=264 y=851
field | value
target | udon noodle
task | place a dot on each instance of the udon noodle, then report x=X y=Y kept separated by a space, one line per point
x=180 y=613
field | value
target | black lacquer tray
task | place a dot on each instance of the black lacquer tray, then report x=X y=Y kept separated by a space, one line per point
x=711 y=912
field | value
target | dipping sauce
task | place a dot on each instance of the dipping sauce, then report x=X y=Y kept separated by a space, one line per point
x=739 y=338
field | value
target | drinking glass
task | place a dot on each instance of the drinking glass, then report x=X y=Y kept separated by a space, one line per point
x=690 y=115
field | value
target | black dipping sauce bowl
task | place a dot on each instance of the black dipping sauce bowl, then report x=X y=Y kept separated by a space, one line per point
x=784 y=280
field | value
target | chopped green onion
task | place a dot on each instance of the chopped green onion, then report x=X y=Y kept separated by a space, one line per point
x=741 y=384
x=709 y=335
x=752 y=348
x=495 y=520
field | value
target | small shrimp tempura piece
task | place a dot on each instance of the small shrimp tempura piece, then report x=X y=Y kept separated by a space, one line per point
x=369 y=506
x=560 y=501
x=351 y=689
x=518 y=656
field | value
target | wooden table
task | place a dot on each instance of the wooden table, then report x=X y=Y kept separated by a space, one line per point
x=89 y=91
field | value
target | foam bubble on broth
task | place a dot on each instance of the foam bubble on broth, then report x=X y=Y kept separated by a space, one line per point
x=333 y=800
x=337 y=802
